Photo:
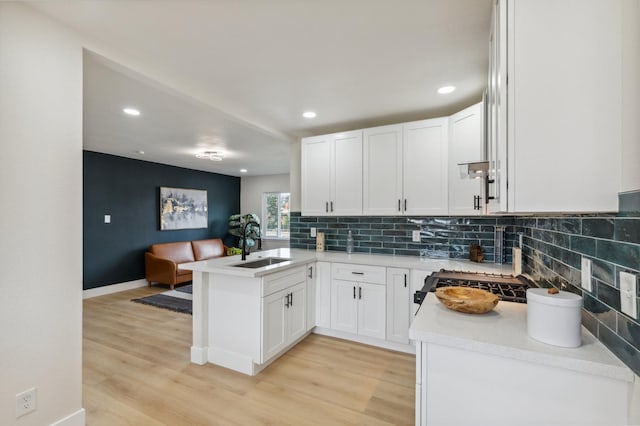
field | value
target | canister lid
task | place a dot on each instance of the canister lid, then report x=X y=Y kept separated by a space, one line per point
x=562 y=298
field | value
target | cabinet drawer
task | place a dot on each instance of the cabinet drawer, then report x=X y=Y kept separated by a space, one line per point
x=359 y=273
x=281 y=280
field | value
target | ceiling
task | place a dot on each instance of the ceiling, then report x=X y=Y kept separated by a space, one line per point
x=236 y=75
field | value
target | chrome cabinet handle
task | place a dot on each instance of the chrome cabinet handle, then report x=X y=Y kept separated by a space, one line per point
x=398 y=205
x=290 y=299
x=310 y=271
x=354 y=291
x=359 y=292
x=286 y=305
x=326 y=207
x=405 y=280
x=357 y=273
x=331 y=207
x=405 y=204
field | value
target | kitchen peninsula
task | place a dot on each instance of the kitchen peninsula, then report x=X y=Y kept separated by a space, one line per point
x=244 y=317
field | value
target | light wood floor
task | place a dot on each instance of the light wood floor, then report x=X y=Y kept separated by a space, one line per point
x=137 y=372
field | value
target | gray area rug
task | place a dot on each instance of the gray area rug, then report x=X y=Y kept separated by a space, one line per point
x=178 y=300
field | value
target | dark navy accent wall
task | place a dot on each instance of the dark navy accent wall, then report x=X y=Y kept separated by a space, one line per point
x=129 y=191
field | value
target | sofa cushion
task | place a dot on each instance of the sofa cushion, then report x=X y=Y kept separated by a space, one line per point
x=208 y=249
x=180 y=252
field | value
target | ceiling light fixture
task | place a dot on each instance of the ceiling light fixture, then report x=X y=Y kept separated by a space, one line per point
x=309 y=114
x=131 y=111
x=446 y=89
x=211 y=155
x=243 y=170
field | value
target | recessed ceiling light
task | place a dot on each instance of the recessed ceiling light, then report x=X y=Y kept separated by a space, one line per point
x=243 y=170
x=446 y=89
x=141 y=152
x=211 y=155
x=131 y=111
x=309 y=114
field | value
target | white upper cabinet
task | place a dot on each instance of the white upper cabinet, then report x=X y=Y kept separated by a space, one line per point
x=331 y=175
x=465 y=145
x=382 y=166
x=425 y=169
x=405 y=169
x=555 y=127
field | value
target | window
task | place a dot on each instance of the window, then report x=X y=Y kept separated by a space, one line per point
x=275 y=215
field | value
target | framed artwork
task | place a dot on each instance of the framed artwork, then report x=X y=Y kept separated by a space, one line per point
x=183 y=208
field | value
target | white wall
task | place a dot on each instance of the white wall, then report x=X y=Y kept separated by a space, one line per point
x=41 y=217
x=631 y=95
x=251 y=190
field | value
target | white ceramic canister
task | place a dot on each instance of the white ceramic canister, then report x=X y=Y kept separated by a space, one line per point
x=554 y=318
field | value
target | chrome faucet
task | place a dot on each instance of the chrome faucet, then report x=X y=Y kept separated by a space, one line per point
x=244 y=237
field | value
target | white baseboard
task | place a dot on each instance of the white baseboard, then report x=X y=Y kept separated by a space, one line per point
x=74 y=419
x=113 y=288
x=398 y=347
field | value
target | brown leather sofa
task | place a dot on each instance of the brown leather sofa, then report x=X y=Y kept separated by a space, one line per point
x=162 y=261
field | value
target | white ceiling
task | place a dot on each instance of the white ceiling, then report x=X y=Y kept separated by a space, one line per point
x=236 y=75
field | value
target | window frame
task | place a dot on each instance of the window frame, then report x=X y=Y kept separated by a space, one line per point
x=279 y=235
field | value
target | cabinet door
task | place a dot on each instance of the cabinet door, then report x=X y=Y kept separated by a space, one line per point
x=371 y=310
x=274 y=332
x=382 y=170
x=311 y=296
x=344 y=306
x=323 y=294
x=398 y=301
x=346 y=184
x=425 y=167
x=465 y=146
x=497 y=110
x=316 y=175
x=296 y=312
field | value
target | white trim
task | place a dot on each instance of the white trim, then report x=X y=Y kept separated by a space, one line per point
x=74 y=419
x=399 y=347
x=199 y=355
x=113 y=288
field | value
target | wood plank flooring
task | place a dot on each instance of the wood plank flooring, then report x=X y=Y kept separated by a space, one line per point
x=137 y=372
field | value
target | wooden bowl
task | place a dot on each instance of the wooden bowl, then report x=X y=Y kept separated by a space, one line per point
x=467 y=300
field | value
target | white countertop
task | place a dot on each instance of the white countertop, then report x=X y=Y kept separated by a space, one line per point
x=224 y=265
x=503 y=332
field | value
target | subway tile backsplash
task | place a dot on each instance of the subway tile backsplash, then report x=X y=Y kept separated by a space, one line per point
x=441 y=237
x=553 y=246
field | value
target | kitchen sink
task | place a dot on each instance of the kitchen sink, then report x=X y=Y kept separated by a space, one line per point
x=262 y=262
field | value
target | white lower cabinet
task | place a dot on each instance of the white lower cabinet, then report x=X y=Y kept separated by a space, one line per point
x=358 y=307
x=311 y=291
x=284 y=316
x=322 y=278
x=398 y=304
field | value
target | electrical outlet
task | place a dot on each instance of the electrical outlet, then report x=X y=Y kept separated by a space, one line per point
x=107 y=218
x=25 y=402
x=416 y=236
x=586 y=274
x=628 y=294
x=313 y=232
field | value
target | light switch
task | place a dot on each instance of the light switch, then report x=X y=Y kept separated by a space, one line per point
x=586 y=274
x=107 y=218
x=313 y=232
x=416 y=237
x=628 y=294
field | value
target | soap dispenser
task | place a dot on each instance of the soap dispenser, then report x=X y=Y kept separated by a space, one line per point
x=350 y=242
